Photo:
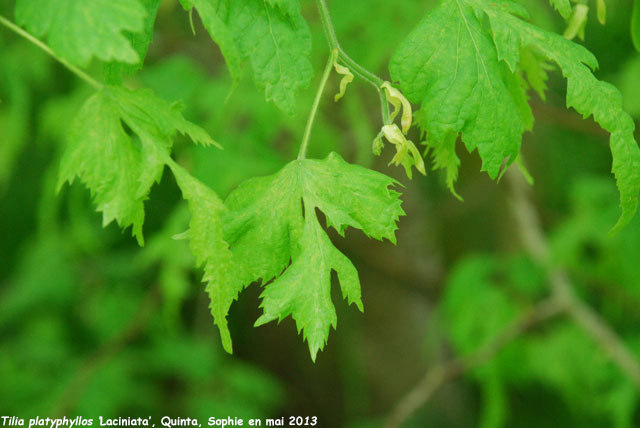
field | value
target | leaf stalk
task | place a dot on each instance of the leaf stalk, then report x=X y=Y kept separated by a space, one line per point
x=72 y=68
x=360 y=71
x=316 y=103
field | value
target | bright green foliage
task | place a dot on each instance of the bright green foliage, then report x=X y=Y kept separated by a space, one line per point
x=449 y=63
x=479 y=99
x=272 y=34
x=304 y=290
x=208 y=245
x=473 y=72
x=272 y=221
x=140 y=42
x=535 y=70
x=563 y=7
x=118 y=169
x=79 y=30
x=288 y=7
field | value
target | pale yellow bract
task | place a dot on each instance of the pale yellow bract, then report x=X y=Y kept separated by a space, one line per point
x=399 y=101
x=346 y=79
x=404 y=148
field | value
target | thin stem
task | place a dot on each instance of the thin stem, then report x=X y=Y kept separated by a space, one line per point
x=316 y=103
x=359 y=70
x=75 y=70
x=442 y=373
x=327 y=24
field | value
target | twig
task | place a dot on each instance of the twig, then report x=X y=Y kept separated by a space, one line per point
x=442 y=373
x=528 y=224
x=563 y=300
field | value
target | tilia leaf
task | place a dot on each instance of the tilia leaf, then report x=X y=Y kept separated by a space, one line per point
x=460 y=71
x=207 y=243
x=79 y=30
x=118 y=168
x=273 y=231
x=271 y=34
x=450 y=64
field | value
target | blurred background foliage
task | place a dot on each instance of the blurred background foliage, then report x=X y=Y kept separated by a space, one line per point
x=91 y=324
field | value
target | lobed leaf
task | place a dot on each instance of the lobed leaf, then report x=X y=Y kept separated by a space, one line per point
x=273 y=232
x=456 y=67
x=206 y=241
x=271 y=34
x=79 y=30
x=140 y=41
x=449 y=64
x=119 y=169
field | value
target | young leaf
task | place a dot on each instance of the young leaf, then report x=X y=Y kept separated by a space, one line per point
x=450 y=64
x=271 y=34
x=119 y=170
x=278 y=47
x=468 y=92
x=288 y=7
x=304 y=290
x=266 y=228
x=588 y=95
x=78 y=30
x=209 y=247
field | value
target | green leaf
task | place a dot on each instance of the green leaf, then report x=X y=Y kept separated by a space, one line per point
x=271 y=222
x=271 y=34
x=444 y=157
x=278 y=47
x=219 y=32
x=79 y=30
x=589 y=96
x=535 y=70
x=288 y=7
x=563 y=7
x=207 y=243
x=451 y=63
x=304 y=290
x=120 y=170
x=140 y=42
